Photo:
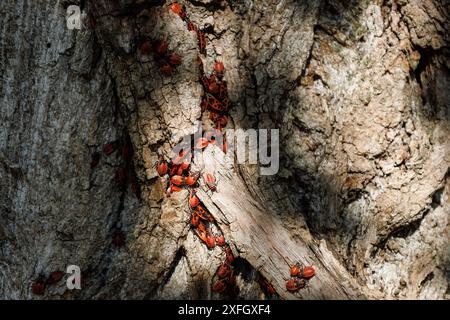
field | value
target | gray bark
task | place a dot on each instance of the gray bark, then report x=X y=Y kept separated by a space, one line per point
x=359 y=91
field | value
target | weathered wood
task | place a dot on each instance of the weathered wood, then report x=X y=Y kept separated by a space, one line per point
x=260 y=238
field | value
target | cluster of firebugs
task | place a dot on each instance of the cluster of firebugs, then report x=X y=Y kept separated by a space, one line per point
x=215 y=100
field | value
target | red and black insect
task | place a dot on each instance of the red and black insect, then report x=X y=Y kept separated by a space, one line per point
x=299 y=271
x=162 y=166
x=190 y=180
x=210 y=181
x=173 y=188
x=38 y=286
x=229 y=255
x=201 y=143
x=223 y=90
x=220 y=240
x=203 y=214
x=213 y=87
x=160 y=47
x=191 y=26
x=295 y=284
x=296 y=270
x=224 y=270
x=201 y=39
x=195 y=220
x=145 y=47
x=166 y=69
x=174 y=59
x=220 y=286
x=110 y=147
x=55 y=277
x=308 y=272
x=184 y=155
x=210 y=241
x=179 y=10
x=219 y=69
x=213 y=103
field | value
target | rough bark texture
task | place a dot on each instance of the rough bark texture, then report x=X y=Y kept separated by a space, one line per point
x=359 y=91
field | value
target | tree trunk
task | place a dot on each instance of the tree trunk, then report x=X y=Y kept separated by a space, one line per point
x=358 y=89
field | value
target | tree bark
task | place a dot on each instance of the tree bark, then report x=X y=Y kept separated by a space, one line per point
x=358 y=89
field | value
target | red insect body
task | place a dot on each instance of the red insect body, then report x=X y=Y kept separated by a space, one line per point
x=270 y=289
x=162 y=167
x=213 y=103
x=179 y=10
x=212 y=135
x=191 y=179
x=296 y=270
x=223 y=90
x=191 y=26
x=202 y=213
x=166 y=69
x=232 y=279
x=110 y=147
x=194 y=201
x=224 y=270
x=210 y=241
x=201 y=42
x=195 y=220
x=210 y=181
x=201 y=143
x=183 y=155
x=221 y=122
x=266 y=285
x=177 y=161
x=220 y=240
x=213 y=88
x=219 y=69
x=174 y=170
x=173 y=189
x=225 y=147
x=161 y=47
x=205 y=82
x=145 y=47
x=177 y=180
x=229 y=254
x=201 y=232
x=174 y=59
x=214 y=116
x=295 y=284
x=220 y=286
x=55 y=277
x=38 y=287
x=184 y=165
x=308 y=272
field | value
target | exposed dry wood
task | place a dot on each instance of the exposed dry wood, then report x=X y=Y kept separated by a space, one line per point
x=260 y=238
